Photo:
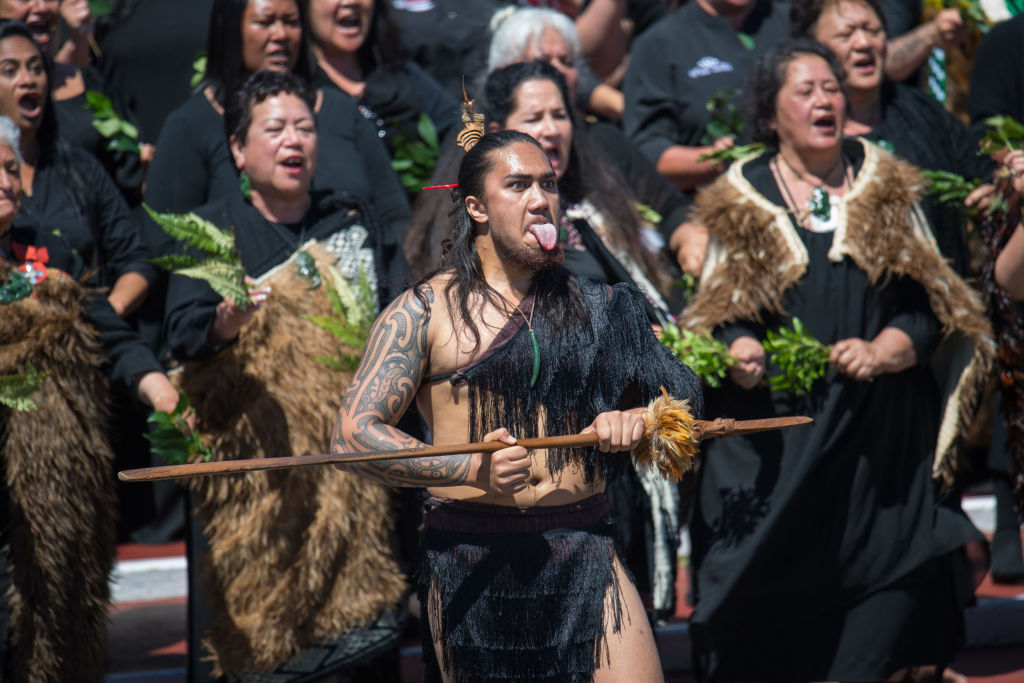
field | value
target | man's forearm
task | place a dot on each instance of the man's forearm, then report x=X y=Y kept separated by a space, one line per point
x=908 y=52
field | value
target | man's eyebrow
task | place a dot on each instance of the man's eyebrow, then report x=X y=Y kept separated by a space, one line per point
x=528 y=176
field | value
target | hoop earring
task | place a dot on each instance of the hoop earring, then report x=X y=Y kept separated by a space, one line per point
x=244 y=184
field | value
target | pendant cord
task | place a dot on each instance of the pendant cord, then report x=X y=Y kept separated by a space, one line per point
x=788 y=195
x=534 y=347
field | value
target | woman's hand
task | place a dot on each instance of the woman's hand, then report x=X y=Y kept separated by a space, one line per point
x=230 y=318
x=155 y=390
x=508 y=469
x=891 y=351
x=689 y=242
x=1014 y=161
x=750 y=365
x=617 y=430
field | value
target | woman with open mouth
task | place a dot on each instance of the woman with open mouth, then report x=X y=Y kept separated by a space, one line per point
x=830 y=552
x=279 y=587
x=358 y=51
x=72 y=215
x=70 y=81
x=193 y=164
x=902 y=119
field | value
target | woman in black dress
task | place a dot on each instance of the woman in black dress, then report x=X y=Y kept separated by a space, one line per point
x=359 y=52
x=69 y=84
x=904 y=120
x=824 y=552
x=293 y=574
x=71 y=206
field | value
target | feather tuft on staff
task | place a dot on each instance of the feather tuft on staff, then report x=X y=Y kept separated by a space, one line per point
x=671 y=437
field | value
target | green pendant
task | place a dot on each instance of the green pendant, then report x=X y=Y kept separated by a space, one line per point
x=536 y=359
x=819 y=204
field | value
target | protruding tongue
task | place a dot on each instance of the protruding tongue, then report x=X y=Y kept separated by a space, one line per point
x=546 y=234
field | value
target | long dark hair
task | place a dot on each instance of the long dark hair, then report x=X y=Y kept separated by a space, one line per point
x=769 y=76
x=224 y=68
x=557 y=294
x=590 y=174
x=54 y=151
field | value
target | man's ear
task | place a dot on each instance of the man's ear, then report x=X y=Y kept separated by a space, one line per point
x=476 y=209
x=493 y=127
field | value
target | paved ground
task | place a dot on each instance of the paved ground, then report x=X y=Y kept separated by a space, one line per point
x=147 y=637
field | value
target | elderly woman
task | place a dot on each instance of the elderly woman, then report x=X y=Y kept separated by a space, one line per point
x=906 y=121
x=358 y=51
x=320 y=565
x=823 y=553
x=72 y=211
x=59 y=509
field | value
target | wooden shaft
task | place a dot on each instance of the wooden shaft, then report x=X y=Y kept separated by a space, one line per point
x=703 y=428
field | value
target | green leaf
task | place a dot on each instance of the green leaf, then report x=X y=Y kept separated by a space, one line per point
x=801 y=358
x=100 y=104
x=428 y=133
x=16 y=390
x=224 y=278
x=100 y=8
x=746 y=40
x=647 y=213
x=950 y=188
x=1004 y=132
x=108 y=128
x=172 y=439
x=733 y=153
x=704 y=354
x=122 y=143
x=198 y=68
x=354 y=308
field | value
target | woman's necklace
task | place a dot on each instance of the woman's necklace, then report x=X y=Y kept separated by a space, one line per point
x=534 y=348
x=819 y=205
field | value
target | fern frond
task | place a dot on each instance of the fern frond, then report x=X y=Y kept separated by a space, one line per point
x=197 y=233
x=226 y=279
x=16 y=390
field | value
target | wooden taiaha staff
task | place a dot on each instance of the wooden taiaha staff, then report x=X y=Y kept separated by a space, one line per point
x=670 y=444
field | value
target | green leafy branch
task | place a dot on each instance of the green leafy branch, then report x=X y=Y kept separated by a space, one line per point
x=704 y=354
x=414 y=159
x=354 y=309
x=647 y=213
x=122 y=135
x=733 y=153
x=726 y=119
x=100 y=8
x=16 y=390
x=802 y=358
x=970 y=10
x=222 y=266
x=198 y=69
x=950 y=188
x=1004 y=132
x=172 y=439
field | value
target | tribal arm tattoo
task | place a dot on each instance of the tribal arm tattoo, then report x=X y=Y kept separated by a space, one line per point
x=381 y=390
x=909 y=51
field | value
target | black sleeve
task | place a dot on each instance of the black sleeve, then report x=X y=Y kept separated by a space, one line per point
x=436 y=102
x=916 y=319
x=650 y=119
x=188 y=317
x=997 y=78
x=648 y=185
x=121 y=246
x=128 y=355
x=901 y=16
x=179 y=177
x=391 y=211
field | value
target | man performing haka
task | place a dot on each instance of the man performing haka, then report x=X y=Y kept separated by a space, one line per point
x=520 y=579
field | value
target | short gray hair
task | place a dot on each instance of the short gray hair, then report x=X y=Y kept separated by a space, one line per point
x=514 y=30
x=11 y=135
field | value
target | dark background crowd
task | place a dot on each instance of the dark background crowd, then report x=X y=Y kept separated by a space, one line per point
x=632 y=95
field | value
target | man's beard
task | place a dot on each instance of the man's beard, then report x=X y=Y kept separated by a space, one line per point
x=517 y=253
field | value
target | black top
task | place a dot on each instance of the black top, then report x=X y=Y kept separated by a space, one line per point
x=74 y=119
x=394 y=98
x=901 y=16
x=191 y=303
x=129 y=357
x=997 y=79
x=193 y=163
x=670 y=80
x=147 y=57
x=103 y=236
x=448 y=38
x=921 y=131
x=792 y=527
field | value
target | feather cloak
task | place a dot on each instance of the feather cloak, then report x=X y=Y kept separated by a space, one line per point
x=58 y=472
x=297 y=556
x=755 y=255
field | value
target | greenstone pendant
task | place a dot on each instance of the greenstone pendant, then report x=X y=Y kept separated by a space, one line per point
x=820 y=205
x=536 y=359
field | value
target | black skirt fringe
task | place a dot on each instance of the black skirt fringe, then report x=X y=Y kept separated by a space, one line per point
x=518 y=594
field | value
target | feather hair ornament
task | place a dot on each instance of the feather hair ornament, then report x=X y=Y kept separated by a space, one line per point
x=472 y=122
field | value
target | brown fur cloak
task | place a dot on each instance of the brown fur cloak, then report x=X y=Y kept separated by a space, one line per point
x=755 y=255
x=297 y=556
x=58 y=470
